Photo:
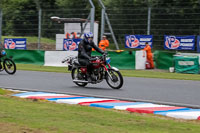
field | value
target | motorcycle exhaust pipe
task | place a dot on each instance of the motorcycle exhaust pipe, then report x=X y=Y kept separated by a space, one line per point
x=80 y=81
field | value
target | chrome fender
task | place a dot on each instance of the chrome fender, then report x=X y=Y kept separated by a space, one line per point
x=114 y=68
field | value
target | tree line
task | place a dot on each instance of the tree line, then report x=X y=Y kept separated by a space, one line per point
x=21 y=15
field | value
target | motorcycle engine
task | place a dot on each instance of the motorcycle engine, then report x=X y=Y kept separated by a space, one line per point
x=96 y=71
x=80 y=77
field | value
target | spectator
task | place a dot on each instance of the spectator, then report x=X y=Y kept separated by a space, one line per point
x=74 y=35
x=67 y=35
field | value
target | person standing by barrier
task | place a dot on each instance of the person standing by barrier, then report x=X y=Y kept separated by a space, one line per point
x=104 y=43
x=149 y=55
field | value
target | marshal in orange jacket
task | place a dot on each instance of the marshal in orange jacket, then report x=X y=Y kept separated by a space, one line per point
x=147 y=48
x=103 y=44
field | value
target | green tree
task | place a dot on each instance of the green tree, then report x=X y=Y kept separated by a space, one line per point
x=14 y=20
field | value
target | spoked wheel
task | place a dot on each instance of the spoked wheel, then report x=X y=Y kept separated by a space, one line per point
x=1 y=66
x=76 y=75
x=114 y=79
x=9 y=66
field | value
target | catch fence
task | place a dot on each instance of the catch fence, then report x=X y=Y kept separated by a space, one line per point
x=137 y=20
x=154 y=21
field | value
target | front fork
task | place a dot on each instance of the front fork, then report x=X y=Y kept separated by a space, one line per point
x=1 y=65
x=106 y=69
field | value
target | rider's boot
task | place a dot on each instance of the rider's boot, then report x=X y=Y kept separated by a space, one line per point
x=89 y=78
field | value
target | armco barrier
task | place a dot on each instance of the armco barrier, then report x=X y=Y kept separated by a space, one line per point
x=27 y=56
x=121 y=60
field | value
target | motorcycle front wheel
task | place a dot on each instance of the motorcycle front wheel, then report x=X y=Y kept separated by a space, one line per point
x=1 y=66
x=9 y=66
x=74 y=74
x=114 y=79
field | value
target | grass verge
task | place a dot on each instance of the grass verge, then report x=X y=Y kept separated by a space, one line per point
x=42 y=116
x=30 y=67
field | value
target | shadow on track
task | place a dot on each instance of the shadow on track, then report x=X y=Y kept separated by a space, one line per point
x=96 y=88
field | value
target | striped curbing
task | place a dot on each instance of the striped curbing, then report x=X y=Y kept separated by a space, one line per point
x=63 y=98
x=88 y=103
x=151 y=110
x=80 y=100
x=28 y=94
x=139 y=107
x=112 y=105
x=190 y=114
x=124 y=107
x=48 y=97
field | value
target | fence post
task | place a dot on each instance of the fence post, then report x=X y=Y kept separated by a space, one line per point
x=104 y=16
x=149 y=20
x=37 y=2
x=1 y=14
x=103 y=11
x=39 y=26
x=102 y=22
x=92 y=18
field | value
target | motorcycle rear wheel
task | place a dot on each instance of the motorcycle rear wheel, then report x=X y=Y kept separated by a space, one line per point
x=74 y=75
x=9 y=66
x=117 y=80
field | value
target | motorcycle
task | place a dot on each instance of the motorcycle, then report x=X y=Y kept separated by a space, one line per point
x=101 y=70
x=6 y=63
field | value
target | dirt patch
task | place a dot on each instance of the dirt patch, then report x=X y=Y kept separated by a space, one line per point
x=14 y=128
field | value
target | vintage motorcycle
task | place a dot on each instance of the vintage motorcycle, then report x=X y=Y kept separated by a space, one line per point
x=6 y=63
x=101 y=69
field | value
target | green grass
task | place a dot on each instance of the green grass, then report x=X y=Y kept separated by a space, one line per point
x=17 y=115
x=30 y=67
x=159 y=74
x=128 y=73
x=22 y=115
x=43 y=116
x=33 y=39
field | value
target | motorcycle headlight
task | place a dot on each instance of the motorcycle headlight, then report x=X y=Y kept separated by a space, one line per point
x=108 y=60
x=3 y=52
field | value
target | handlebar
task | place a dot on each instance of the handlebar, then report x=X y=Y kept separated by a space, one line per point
x=92 y=59
x=103 y=57
x=69 y=59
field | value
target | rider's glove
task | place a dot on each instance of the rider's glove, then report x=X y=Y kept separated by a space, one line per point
x=92 y=59
x=105 y=53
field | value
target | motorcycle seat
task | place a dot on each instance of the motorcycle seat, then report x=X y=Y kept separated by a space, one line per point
x=76 y=63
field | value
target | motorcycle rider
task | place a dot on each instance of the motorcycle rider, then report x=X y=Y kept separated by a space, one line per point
x=85 y=50
x=2 y=53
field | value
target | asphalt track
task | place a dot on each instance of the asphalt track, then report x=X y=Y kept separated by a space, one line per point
x=164 y=91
